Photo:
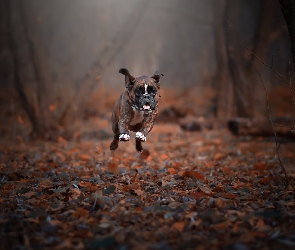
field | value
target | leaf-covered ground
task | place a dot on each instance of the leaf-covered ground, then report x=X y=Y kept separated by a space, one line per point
x=187 y=190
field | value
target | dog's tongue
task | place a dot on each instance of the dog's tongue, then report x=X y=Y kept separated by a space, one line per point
x=146 y=107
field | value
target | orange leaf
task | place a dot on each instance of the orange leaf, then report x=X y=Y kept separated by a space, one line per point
x=138 y=209
x=163 y=157
x=226 y=169
x=179 y=226
x=181 y=173
x=197 y=175
x=228 y=195
x=144 y=154
x=184 y=173
x=260 y=166
x=92 y=189
x=85 y=184
x=171 y=170
x=176 y=164
x=197 y=195
x=218 y=156
x=264 y=180
x=221 y=226
x=85 y=157
x=80 y=212
x=113 y=168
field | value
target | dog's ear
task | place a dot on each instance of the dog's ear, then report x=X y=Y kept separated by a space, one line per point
x=157 y=77
x=129 y=79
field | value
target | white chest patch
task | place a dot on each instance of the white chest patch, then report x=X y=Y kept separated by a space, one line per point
x=138 y=117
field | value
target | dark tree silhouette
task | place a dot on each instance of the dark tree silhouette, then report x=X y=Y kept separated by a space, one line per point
x=288 y=9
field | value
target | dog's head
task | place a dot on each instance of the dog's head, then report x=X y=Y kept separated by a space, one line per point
x=143 y=90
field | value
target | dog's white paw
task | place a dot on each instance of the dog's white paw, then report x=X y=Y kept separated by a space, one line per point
x=124 y=137
x=140 y=136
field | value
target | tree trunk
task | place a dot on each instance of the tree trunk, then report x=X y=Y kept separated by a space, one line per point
x=38 y=129
x=236 y=63
x=21 y=27
x=263 y=32
x=222 y=80
x=38 y=58
x=288 y=9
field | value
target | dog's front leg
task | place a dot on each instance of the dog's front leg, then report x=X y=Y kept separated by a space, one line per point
x=123 y=130
x=147 y=126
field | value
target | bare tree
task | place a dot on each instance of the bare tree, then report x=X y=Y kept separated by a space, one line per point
x=223 y=83
x=16 y=27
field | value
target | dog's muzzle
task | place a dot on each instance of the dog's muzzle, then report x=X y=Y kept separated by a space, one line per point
x=147 y=102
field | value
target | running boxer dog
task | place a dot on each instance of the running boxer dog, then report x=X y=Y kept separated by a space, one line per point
x=136 y=109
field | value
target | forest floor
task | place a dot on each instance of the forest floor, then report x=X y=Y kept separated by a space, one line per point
x=186 y=190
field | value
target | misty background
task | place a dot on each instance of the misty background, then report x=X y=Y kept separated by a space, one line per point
x=59 y=59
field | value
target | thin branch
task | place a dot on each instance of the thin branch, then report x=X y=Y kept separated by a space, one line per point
x=278 y=144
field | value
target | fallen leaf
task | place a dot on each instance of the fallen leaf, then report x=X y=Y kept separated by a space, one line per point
x=179 y=226
x=260 y=166
x=197 y=175
x=228 y=195
x=80 y=212
x=197 y=195
x=85 y=157
x=206 y=190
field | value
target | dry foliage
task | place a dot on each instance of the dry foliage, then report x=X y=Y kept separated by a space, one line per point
x=185 y=191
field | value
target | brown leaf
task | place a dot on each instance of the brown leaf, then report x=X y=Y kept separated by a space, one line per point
x=85 y=157
x=92 y=188
x=218 y=156
x=113 y=168
x=197 y=195
x=171 y=170
x=228 y=195
x=221 y=226
x=179 y=226
x=260 y=166
x=197 y=175
x=264 y=180
x=29 y=194
x=80 y=212
x=144 y=154
x=84 y=184
x=163 y=157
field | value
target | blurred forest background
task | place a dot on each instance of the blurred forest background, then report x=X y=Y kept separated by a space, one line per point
x=59 y=60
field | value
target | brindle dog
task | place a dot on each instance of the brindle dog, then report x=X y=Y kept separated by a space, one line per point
x=136 y=109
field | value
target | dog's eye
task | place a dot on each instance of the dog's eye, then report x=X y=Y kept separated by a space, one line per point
x=151 y=90
x=139 y=91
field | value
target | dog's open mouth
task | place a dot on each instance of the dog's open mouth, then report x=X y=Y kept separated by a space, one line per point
x=146 y=107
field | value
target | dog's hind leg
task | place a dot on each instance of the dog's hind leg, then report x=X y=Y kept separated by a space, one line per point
x=115 y=143
x=138 y=145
